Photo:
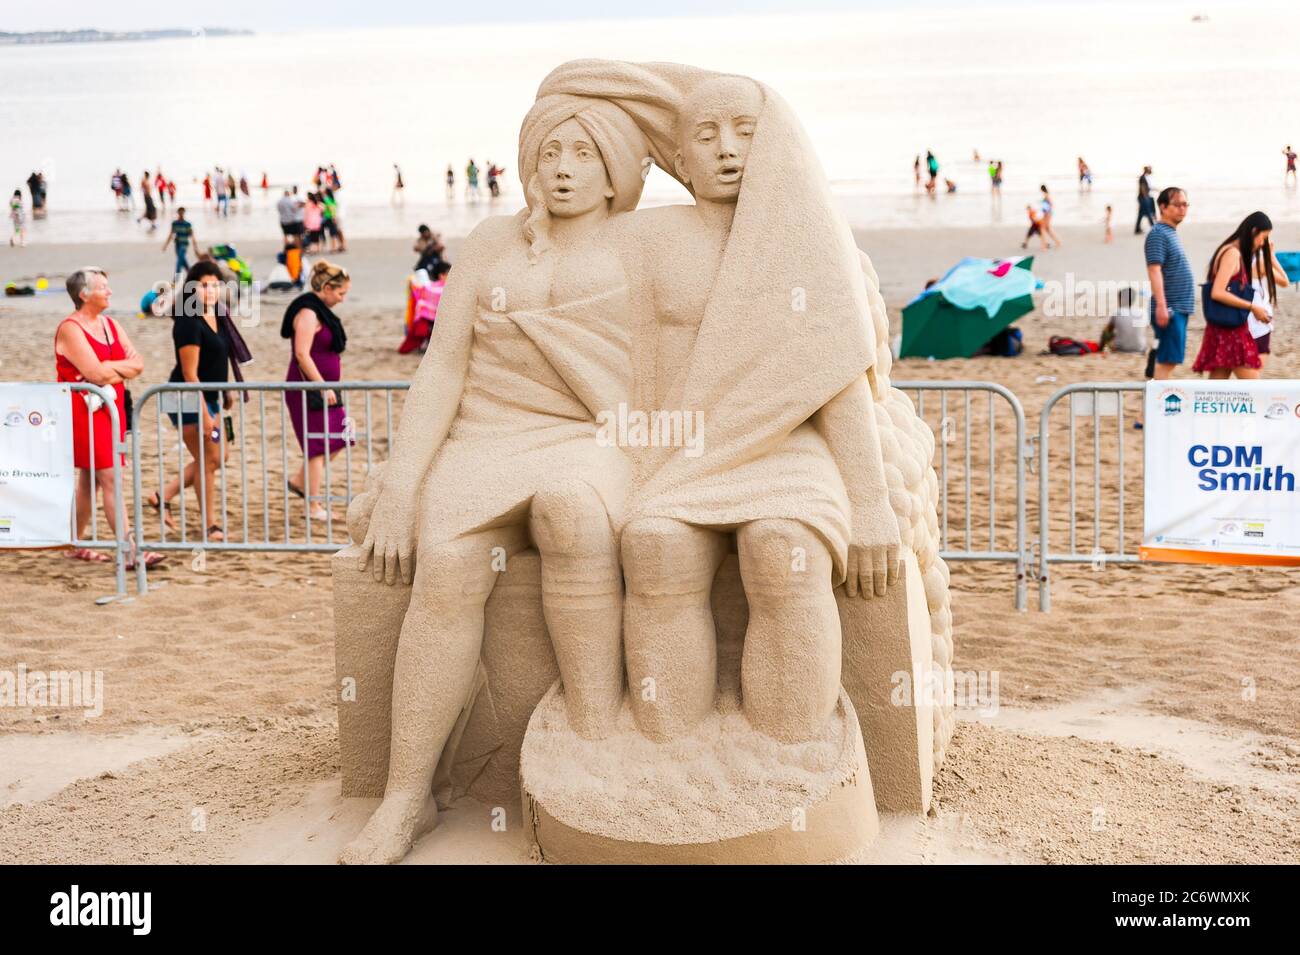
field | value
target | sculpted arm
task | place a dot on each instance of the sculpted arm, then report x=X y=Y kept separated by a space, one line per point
x=427 y=414
x=848 y=423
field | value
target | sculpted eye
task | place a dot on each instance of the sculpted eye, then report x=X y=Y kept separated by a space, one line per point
x=549 y=155
x=585 y=154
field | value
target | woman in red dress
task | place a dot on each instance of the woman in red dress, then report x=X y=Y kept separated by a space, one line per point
x=89 y=346
x=1232 y=351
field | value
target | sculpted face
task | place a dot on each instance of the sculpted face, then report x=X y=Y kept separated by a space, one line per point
x=571 y=172
x=716 y=130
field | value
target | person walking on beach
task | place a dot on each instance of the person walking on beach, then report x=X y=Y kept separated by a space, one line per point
x=207 y=190
x=128 y=200
x=36 y=186
x=1035 y=227
x=160 y=184
x=1146 y=208
x=1110 y=232
x=202 y=344
x=223 y=197
x=916 y=172
x=932 y=167
x=115 y=183
x=89 y=346
x=1085 y=176
x=313 y=223
x=150 y=214
x=1264 y=266
x=318 y=417
x=266 y=184
x=1228 y=350
x=1048 y=209
x=171 y=191
x=1289 y=175
x=287 y=209
x=493 y=179
x=230 y=188
x=243 y=186
x=1173 y=287
x=182 y=234
x=398 y=197
x=333 y=227
x=451 y=183
x=19 y=219
x=471 y=181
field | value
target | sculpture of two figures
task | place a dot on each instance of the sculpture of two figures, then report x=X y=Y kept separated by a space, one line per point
x=629 y=391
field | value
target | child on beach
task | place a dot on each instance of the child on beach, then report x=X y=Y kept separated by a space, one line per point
x=1110 y=233
x=19 y=218
x=1035 y=227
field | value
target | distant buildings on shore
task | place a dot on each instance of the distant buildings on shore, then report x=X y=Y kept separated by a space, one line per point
x=112 y=36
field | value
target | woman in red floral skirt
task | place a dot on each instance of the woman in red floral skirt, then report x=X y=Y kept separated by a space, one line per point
x=1230 y=350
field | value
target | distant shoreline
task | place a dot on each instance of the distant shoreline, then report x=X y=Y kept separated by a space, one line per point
x=111 y=36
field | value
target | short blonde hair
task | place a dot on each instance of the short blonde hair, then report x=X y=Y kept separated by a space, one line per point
x=328 y=275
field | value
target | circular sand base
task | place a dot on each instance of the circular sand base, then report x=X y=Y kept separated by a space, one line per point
x=723 y=794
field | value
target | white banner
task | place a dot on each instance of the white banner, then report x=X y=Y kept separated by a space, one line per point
x=1222 y=471
x=36 y=470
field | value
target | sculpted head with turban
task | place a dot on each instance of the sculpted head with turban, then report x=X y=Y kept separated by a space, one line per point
x=578 y=155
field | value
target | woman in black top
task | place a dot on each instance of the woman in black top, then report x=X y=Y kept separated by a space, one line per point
x=203 y=351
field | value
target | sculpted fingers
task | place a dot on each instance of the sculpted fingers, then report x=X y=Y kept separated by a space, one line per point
x=879 y=568
x=895 y=564
x=408 y=565
x=851 y=573
x=390 y=565
x=367 y=548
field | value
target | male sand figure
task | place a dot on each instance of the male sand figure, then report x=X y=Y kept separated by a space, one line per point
x=761 y=322
x=498 y=451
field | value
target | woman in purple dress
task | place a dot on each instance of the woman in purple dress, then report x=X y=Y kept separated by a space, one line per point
x=318 y=341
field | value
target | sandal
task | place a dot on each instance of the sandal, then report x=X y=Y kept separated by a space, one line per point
x=164 y=510
x=151 y=559
x=88 y=555
x=299 y=492
x=215 y=534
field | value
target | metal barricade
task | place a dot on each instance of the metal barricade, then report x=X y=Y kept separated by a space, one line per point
x=257 y=507
x=120 y=542
x=1091 y=402
x=957 y=422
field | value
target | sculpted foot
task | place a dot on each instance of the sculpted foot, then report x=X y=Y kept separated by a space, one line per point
x=399 y=821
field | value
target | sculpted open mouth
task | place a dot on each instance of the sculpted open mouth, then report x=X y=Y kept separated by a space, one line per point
x=562 y=192
x=730 y=173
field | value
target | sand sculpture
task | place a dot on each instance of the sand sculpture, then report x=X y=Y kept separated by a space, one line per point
x=657 y=536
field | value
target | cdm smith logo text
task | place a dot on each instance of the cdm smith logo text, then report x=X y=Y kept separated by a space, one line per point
x=103 y=908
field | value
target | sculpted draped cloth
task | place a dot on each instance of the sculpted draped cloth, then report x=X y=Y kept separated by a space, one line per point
x=787 y=327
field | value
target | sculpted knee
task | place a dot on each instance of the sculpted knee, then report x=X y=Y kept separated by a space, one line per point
x=452 y=577
x=569 y=516
x=780 y=559
x=661 y=555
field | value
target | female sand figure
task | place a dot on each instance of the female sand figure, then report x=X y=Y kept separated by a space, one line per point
x=498 y=444
x=1227 y=351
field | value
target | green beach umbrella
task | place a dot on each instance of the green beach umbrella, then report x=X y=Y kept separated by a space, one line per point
x=957 y=315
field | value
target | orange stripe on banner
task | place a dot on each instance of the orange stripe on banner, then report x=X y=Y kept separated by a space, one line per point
x=1175 y=556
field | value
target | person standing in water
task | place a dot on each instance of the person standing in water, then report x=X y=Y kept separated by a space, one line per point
x=1289 y=176
x=398 y=197
x=1146 y=207
x=1048 y=209
x=19 y=219
x=451 y=183
x=150 y=210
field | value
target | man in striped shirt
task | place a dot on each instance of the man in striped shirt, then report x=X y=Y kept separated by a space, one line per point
x=1173 y=287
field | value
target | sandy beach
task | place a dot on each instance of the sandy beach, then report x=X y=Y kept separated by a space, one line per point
x=1123 y=732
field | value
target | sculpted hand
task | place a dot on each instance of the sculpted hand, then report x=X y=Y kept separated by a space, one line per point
x=389 y=547
x=873 y=560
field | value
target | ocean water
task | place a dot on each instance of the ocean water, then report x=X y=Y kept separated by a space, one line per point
x=1208 y=104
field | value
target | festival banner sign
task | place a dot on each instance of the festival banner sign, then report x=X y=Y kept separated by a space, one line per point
x=36 y=470
x=1222 y=469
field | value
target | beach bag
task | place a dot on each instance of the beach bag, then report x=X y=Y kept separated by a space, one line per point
x=1061 y=345
x=1226 y=316
x=1007 y=343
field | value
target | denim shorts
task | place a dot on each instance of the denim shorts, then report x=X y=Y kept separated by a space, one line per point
x=1171 y=341
x=192 y=417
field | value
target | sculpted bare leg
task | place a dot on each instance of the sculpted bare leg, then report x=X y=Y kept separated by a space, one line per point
x=790 y=670
x=437 y=658
x=582 y=599
x=668 y=632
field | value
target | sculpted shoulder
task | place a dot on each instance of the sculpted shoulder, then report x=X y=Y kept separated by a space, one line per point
x=492 y=232
x=648 y=227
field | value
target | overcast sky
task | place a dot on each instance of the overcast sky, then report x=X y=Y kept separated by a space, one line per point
x=342 y=14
